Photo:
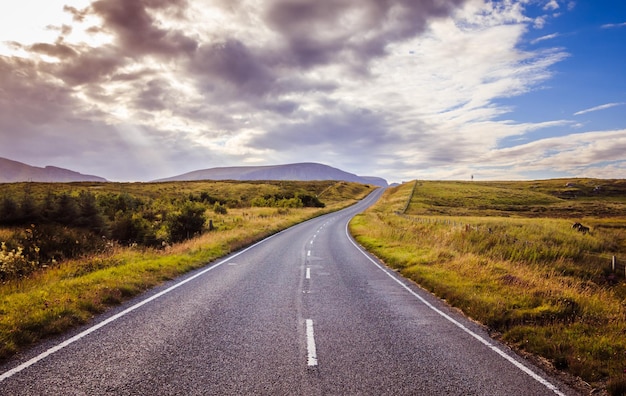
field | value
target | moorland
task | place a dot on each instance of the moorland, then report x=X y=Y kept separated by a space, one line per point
x=70 y=251
x=508 y=256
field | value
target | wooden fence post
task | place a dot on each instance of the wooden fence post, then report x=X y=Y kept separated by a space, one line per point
x=613 y=264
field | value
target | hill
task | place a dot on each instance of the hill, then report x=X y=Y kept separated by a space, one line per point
x=13 y=171
x=299 y=171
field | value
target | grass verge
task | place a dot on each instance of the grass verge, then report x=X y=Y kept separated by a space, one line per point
x=535 y=282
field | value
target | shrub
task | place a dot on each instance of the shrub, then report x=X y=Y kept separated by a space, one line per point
x=188 y=222
x=219 y=208
x=88 y=212
x=8 y=211
x=311 y=201
x=13 y=263
x=65 y=210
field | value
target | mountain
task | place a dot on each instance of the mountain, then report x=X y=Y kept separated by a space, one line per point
x=13 y=171
x=300 y=171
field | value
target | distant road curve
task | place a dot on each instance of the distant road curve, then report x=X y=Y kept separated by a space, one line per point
x=304 y=312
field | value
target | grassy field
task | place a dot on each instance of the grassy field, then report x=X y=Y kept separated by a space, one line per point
x=59 y=295
x=506 y=254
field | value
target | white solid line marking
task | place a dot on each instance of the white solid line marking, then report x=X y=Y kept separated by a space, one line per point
x=113 y=318
x=484 y=341
x=308 y=273
x=310 y=344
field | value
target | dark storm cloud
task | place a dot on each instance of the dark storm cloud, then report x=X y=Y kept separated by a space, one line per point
x=234 y=64
x=93 y=65
x=321 y=32
x=136 y=29
x=311 y=34
x=231 y=71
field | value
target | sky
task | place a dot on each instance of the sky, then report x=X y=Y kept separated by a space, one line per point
x=136 y=90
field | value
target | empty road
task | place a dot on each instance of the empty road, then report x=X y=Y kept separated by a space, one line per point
x=305 y=312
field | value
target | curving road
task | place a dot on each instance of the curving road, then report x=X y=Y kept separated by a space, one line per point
x=305 y=312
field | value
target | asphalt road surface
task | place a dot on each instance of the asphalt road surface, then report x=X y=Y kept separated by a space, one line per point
x=305 y=312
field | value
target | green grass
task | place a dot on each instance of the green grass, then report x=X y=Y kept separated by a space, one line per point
x=506 y=254
x=54 y=299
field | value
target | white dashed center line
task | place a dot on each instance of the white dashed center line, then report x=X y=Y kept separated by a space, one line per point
x=310 y=344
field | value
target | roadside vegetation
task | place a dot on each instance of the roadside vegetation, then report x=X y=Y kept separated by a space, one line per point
x=71 y=251
x=506 y=254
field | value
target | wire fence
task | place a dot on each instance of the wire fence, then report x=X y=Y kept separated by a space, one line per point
x=408 y=201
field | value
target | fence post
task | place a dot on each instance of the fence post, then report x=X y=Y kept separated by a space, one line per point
x=613 y=263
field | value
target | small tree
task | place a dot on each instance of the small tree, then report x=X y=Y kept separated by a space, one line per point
x=29 y=211
x=65 y=210
x=88 y=212
x=8 y=211
x=188 y=222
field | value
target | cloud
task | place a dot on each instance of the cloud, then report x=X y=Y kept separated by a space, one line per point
x=551 y=5
x=395 y=88
x=614 y=25
x=597 y=108
x=544 y=38
x=316 y=33
x=137 y=30
x=579 y=155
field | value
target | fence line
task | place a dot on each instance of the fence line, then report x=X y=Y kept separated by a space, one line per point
x=408 y=201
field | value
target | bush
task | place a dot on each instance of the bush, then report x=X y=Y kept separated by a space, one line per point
x=65 y=210
x=187 y=223
x=311 y=201
x=88 y=212
x=219 y=208
x=128 y=229
x=288 y=201
x=13 y=263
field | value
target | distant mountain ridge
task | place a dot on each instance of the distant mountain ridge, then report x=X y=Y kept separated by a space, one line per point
x=14 y=171
x=305 y=171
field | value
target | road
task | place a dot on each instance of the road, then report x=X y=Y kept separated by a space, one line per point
x=305 y=312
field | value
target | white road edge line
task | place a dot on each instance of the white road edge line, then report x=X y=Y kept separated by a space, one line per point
x=484 y=341
x=308 y=273
x=310 y=344
x=113 y=318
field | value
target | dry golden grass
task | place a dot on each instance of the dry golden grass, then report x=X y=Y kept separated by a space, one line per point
x=537 y=283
